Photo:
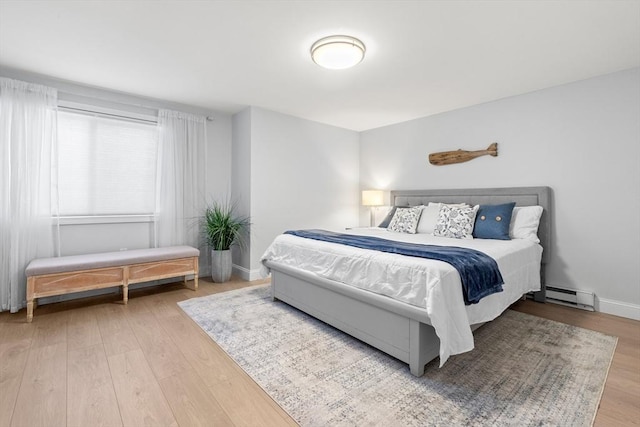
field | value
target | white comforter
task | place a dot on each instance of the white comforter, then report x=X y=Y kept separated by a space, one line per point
x=429 y=284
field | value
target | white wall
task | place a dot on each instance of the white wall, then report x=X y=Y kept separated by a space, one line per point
x=241 y=184
x=581 y=139
x=303 y=174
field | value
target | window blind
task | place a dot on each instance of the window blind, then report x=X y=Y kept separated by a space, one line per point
x=106 y=165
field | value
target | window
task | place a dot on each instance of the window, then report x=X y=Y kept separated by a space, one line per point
x=106 y=165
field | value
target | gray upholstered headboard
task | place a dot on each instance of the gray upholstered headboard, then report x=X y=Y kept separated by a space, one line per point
x=523 y=196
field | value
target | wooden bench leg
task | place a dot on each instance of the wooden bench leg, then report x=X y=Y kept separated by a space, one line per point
x=29 y=311
x=30 y=292
x=125 y=285
x=194 y=286
x=196 y=268
x=195 y=276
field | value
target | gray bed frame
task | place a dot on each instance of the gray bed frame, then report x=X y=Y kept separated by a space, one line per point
x=401 y=330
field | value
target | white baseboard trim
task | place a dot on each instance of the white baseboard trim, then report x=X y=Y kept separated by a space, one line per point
x=246 y=274
x=619 y=308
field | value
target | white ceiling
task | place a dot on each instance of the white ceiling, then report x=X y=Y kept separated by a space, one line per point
x=423 y=57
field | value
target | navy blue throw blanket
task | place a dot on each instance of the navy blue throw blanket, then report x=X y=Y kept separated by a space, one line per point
x=479 y=272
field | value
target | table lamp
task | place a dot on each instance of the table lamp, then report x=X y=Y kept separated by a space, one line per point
x=372 y=198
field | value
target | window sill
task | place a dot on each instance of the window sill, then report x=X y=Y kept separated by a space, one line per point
x=103 y=219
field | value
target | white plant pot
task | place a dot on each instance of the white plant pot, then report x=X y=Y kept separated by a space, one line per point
x=220 y=266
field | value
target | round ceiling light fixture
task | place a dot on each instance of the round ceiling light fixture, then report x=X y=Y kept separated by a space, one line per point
x=337 y=52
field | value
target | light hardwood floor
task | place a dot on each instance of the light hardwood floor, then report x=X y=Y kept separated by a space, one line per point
x=96 y=362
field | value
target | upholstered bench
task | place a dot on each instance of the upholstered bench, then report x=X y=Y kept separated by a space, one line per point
x=62 y=275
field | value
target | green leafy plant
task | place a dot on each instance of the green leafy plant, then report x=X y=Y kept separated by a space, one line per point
x=222 y=227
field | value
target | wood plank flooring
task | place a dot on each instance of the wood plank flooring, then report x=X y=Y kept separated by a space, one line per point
x=96 y=362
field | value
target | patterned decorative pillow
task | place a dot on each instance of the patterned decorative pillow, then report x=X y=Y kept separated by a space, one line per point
x=405 y=220
x=456 y=222
x=430 y=214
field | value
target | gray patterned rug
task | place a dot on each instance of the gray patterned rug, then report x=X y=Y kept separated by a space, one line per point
x=524 y=371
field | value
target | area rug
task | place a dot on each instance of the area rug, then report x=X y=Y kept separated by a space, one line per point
x=524 y=371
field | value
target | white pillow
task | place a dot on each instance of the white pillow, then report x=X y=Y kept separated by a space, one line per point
x=428 y=218
x=524 y=223
x=405 y=220
x=456 y=222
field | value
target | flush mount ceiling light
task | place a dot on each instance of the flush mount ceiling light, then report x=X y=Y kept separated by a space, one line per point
x=337 y=52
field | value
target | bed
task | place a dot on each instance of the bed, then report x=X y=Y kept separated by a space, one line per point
x=406 y=329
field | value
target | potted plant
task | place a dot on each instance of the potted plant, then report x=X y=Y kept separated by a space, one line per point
x=222 y=229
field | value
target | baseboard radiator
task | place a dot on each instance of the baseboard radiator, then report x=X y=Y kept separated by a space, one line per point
x=571 y=297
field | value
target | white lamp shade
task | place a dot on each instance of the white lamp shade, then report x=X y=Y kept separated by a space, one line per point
x=337 y=52
x=373 y=198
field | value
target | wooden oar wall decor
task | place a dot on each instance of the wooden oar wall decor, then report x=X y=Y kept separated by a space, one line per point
x=459 y=156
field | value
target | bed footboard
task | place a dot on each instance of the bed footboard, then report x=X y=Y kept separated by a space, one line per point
x=400 y=331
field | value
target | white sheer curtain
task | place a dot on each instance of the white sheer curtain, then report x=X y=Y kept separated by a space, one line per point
x=27 y=144
x=181 y=178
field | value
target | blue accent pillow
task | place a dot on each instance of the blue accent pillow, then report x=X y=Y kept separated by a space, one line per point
x=492 y=221
x=387 y=219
